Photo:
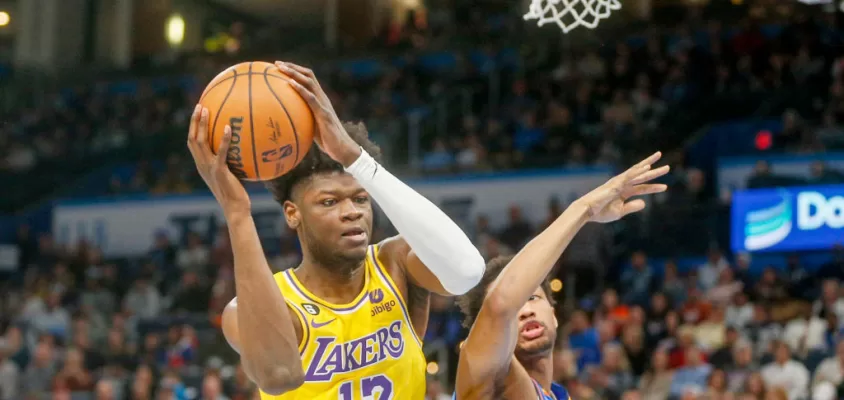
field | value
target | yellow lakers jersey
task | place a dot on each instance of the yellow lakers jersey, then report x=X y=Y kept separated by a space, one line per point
x=363 y=350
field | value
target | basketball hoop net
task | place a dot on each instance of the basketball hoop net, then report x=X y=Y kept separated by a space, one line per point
x=570 y=14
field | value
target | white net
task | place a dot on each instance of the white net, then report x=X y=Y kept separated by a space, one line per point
x=569 y=14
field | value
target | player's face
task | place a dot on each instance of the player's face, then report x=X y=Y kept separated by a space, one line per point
x=336 y=215
x=537 y=326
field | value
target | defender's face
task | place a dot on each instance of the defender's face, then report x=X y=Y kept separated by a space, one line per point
x=537 y=326
x=335 y=214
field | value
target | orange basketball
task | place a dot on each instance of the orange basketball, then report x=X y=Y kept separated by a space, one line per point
x=272 y=126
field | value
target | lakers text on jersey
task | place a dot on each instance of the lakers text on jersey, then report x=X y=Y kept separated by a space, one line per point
x=366 y=349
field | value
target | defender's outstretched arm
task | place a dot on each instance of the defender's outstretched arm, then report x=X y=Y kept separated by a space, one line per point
x=487 y=353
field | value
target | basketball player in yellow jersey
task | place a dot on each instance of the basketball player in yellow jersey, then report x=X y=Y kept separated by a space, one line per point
x=345 y=324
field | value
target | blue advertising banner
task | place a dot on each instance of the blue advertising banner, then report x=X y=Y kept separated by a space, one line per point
x=787 y=219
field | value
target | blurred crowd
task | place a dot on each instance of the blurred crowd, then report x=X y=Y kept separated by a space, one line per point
x=593 y=106
x=73 y=323
x=578 y=107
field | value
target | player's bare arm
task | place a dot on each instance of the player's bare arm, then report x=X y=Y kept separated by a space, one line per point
x=487 y=357
x=257 y=324
x=431 y=251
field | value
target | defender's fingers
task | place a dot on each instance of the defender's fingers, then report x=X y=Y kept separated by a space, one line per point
x=641 y=190
x=646 y=162
x=223 y=151
x=633 y=206
x=650 y=175
x=625 y=177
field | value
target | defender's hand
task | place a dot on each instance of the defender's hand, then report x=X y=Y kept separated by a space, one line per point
x=330 y=135
x=609 y=202
x=226 y=188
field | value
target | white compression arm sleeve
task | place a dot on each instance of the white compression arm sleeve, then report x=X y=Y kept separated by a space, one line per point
x=438 y=242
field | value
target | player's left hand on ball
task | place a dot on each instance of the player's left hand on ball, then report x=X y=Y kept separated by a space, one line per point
x=330 y=135
x=611 y=201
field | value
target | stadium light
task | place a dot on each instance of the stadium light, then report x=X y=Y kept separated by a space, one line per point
x=433 y=368
x=175 y=30
x=4 y=18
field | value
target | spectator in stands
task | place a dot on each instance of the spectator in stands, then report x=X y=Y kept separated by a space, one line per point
x=655 y=326
x=672 y=284
x=740 y=311
x=656 y=381
x=517 y=231
x=805 y=334
x=684 y=340
x=695 y=309
x=742 y=365
x=74 y=375
x=9 y=373
x=143 y=299
x=612 y=376
x=830 y=300
x=191 y=295
x=831 y=370
x=633 y=344
x=636 y=281
x=710 y=272
x=830 y=134
x=584 y=340
x=801 y=284
x=37 y=378
x=770 y=289
x=722 y=357
x=194 y=256
x=692 y=376
x=212 y=388
x=54 y=319
x=762 y=330
x=786 y=373
x=439 y=159
x=710 y=333
x=716 y=385
x=755 y=386
x=725 y=290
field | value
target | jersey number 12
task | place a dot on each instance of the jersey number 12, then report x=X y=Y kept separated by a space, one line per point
x=369 y=386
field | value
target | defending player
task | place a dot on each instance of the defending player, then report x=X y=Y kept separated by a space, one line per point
x=508 y=354
x=346 y=323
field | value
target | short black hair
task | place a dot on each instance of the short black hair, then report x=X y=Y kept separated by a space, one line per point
x=316 y=162
x=471 y=302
